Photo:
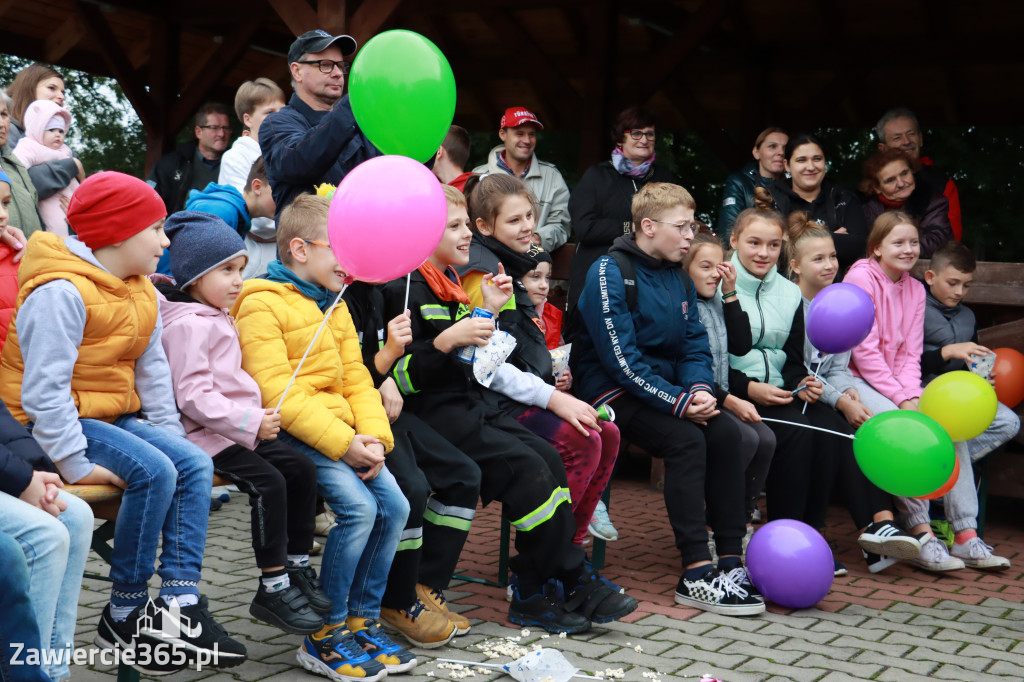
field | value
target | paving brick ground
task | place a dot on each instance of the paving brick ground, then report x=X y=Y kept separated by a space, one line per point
x=904 y=624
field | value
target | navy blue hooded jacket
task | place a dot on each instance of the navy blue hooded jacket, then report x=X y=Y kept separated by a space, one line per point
x=20 y=455
x=658 y=351
x=303 y=148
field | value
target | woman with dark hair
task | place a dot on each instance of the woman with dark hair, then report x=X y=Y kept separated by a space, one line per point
x=828 y=204
x=30 y=84
x=599 y=207
x=768 y=165
x=889 y=184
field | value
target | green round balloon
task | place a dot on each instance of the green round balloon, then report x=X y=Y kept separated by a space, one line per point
x=402 y=92
x=904 y=453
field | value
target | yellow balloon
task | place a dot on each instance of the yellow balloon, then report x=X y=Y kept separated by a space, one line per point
x=963 y=403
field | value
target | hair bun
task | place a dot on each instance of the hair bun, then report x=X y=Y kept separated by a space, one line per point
x=763 y=199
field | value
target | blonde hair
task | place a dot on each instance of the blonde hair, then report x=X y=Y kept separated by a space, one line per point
x=800 y=228
x=304 y=218
x=657 y=198
x=251 y=94
x=454 y=197
x=883 y=225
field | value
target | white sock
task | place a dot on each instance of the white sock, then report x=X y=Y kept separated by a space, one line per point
x=298 y=560
x=120 y=613
x=276 y=583
x=183 y=600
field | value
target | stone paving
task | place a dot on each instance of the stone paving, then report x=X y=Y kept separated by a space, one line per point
x=904 y=624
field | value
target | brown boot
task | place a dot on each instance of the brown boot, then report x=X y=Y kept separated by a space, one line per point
x=435 y=601
x=419 y=625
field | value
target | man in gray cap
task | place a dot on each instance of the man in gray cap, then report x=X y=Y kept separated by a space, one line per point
x=315 y=138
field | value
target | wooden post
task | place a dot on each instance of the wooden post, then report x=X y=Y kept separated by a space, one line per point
x=163 y=88
x=602 y=28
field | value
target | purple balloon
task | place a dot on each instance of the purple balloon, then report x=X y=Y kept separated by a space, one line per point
x=839 y=318
x=790 y=563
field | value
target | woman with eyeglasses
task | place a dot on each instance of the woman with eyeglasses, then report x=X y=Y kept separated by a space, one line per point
x=599 y=207
x=767 y=166
x=825 y=202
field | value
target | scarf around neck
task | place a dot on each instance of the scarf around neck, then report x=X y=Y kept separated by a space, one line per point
x=627 y=167
x=445 y=287
x=888 y=203
x=322 y=296
x=516 y=264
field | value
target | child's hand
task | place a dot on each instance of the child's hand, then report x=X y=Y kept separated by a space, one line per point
x=963 y=351
x=564 y=381
x=813 y=392
x=366 y=453
x=469 y=331
x=728 y=274
x=765 y=394
x=42 y=493
x=270 y=426
x=399 y=333
x=392 y=398
x=702 y=408
x=743 y=409
x=102 y=476
x=574 y=411
x=910 y=404
x=854 y=410
x=496 y=289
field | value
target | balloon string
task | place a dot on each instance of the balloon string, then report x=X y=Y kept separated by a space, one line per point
x=816 y=368
x=327 y=316
x=408 y=279
x=808 y=426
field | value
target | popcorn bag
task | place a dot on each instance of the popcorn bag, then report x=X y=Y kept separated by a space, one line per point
x=541 y=666
x=560 y=359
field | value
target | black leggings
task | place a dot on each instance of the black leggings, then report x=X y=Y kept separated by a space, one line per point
x=281 y=485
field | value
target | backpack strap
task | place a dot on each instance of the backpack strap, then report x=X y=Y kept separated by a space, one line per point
x=628 y=276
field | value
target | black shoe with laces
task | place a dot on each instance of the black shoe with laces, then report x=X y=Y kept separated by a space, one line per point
x=595 y=600
x=193 y=629
x=286 y=609
x=547 y=611
x=305 y=578
x=740 y=576
x=884 y=538
x=715 y=592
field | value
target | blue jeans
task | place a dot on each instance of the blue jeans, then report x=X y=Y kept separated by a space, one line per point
x=369 y=519
x=55 y=550
x=169 y=481
x=18 y=624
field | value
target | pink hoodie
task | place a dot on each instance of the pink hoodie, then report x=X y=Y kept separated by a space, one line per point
x=890 y=357
x=220 y=404
x=31 y=151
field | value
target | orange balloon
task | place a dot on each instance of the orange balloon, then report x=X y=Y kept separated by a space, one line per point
x=947 y=486
x=1008 y=373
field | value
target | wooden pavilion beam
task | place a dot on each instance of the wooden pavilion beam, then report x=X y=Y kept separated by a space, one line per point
x=164 y=41
x=297 y=15
x=602 y=29
x=332 y=16
x=60 y=42
x=370 y=17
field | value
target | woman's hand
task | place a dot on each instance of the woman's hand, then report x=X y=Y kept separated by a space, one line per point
x=767 y=395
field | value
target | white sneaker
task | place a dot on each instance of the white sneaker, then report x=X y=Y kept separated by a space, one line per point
x=935 y=557
x=324 y=523
x=976 y=554
x=601 y=526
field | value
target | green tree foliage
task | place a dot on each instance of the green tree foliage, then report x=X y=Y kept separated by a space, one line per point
x=105 y=131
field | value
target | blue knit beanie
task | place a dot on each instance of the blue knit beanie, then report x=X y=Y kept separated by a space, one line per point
x=199 y=243
x=4 y=178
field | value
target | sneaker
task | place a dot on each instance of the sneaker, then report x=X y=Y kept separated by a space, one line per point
x=886 y=539
x=324 y=523
x=434 y=600
x=339 y=657
x=601 y=526
x=546 y=611
x=317 y=549
x=423 y=627
x=555 y=587
x=839 y=570
x=376 y=643
x=194 y=629
x=976 y=554
x=740 y=576
x=588 y=566
x=286 y=610
x=877 y=563
x=305 y=578
x=592 y=598
x=715 y=592
x=113 y=634
x=935 y=557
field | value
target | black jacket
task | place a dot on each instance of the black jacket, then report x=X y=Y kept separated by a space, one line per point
x=600 y=210
x=303 y=148
x=928 y=205
x=20 y=455
x=738 y=195
x=172 y=175
x=836 y=207
x=366 y=306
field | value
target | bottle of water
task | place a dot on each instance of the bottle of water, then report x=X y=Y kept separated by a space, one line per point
x=466 y=353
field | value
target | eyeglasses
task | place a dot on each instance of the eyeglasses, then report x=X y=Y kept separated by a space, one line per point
x=327 y=65
x=683 y=228
x=637 y=134
x=316 y=243
x=217 y=129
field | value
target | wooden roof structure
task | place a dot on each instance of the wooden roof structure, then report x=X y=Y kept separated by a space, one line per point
x=724 y=68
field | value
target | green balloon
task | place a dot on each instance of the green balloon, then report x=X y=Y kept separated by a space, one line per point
x=904 y=453
x=402 y=92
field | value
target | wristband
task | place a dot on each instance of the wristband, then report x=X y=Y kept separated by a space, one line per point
x=725 y=296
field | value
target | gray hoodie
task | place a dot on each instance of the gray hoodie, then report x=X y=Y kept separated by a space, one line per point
x=50 y=326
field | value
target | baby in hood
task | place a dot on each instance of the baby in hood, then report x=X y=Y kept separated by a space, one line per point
x=46 y=126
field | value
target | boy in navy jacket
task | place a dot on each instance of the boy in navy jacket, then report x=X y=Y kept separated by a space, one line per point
x=649 y=359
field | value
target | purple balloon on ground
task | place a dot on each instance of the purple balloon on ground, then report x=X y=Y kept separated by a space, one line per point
x=790 y=563
x=839 y=318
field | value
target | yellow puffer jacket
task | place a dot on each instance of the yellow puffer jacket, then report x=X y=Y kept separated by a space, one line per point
x=333 y=397
x=120 y=318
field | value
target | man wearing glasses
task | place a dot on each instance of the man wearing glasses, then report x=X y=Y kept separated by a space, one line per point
x=516 y=156
x=195 y=164
x=315 y=138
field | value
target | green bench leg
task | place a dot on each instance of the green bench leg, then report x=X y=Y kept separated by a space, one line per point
x=597 y=555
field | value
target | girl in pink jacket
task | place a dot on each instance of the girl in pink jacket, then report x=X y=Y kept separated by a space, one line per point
x=222 y=412
x=887 y=364
x=46 y=126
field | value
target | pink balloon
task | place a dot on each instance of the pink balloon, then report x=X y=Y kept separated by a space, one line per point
x=387 y=217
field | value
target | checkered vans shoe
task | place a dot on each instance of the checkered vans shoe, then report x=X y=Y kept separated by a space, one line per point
x=715 y=592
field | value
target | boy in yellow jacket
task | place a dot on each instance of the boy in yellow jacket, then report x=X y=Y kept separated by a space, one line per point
x=334 y=415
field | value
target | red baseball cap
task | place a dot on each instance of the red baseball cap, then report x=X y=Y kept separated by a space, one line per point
x=517 y=116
